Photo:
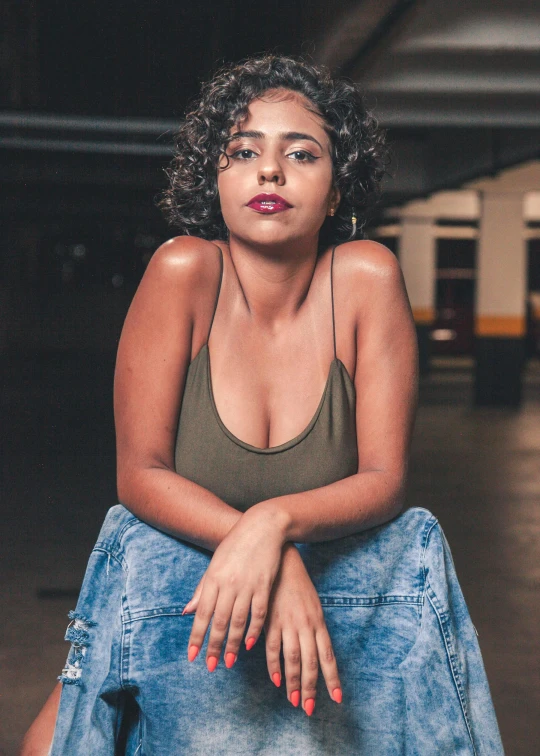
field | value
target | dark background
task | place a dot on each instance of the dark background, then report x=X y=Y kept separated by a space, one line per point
x=90 y=93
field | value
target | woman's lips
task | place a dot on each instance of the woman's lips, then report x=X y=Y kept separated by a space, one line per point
x=268 y=206
x=268 y=203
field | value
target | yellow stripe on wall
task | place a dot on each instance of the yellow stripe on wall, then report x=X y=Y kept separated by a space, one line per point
x=423 y=315
x=500 y=325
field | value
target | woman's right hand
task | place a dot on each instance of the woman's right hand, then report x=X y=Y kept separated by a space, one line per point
x=295 y=620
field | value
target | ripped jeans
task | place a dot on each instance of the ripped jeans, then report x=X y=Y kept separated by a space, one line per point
x=410 y=665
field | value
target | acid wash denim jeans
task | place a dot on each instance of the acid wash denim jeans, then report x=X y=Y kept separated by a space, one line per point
x=411 y=669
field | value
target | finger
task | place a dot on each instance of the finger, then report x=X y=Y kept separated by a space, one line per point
x=202 y=618
x=273 y=650
x=328 y=663
x=259 y=610
x=310 y=669
x=239 y=617
x=291 y=656
x=190 y=607
x=193 y=603
x=220 y=624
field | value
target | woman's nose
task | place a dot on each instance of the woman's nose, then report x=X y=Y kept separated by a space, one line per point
x=271 y=172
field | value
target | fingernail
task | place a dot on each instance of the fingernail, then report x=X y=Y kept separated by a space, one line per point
x=295 y=697
x=276 y=677
x=309 y=706
x=337 y=694
x=250 y=643
x=192 y=653
x=211 y=663
x=230 y=659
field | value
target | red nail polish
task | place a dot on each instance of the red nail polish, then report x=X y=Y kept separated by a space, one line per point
x=276 y=677
x=192 y=653
x=211 y=663
x=295 y=697
x=309 y=706
x=250 y=643
x=338 y=695
x=230 y=659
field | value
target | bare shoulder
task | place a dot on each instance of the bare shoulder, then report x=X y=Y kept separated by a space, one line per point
x=184 y=257
x=372 y=276
x=376 y=286
x=183 y=272
x=369 y=260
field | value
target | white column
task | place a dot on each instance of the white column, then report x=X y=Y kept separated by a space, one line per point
x=501 y=288
x=417 y=260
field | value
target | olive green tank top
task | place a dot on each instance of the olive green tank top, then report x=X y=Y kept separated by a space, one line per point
x=242 y=475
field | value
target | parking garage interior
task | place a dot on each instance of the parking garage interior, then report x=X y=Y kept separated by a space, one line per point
x=88 y=106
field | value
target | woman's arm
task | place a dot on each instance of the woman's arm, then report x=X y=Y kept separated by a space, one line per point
x=171 y=309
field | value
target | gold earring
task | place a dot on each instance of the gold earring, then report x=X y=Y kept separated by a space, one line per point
x=332 y=211
x=354 y=219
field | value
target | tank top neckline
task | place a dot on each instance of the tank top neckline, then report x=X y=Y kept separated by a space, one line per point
x=336 y=363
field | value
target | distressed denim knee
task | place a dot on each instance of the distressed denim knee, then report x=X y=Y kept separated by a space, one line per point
x=409 y=660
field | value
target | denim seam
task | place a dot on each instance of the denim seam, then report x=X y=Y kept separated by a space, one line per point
x=174 y=611
x=106 y=548
x=428 y=527
x=125 y=646
x=115 y=546
x=425 y=540
x=370 y=600
x=442 y=618
x=134 y=520
x=100 y=546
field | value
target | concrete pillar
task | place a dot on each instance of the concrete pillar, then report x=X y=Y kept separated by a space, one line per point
x=501 y=291
x=417 y=260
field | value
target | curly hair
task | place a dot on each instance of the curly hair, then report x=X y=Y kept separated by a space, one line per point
x=358 y=149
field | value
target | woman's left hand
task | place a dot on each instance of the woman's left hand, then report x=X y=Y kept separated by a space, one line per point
x=239 y=578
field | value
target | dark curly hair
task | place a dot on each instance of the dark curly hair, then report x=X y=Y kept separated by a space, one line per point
x=359 y=154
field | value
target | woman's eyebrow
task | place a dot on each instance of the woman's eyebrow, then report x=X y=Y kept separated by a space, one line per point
x=289 y=136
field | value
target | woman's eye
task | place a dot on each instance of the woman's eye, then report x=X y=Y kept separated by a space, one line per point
x=300 y=156
x=241 y=153
x=303 y=156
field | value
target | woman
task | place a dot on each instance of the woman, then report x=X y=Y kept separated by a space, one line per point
x=265 y=394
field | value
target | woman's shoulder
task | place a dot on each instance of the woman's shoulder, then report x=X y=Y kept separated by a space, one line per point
x=186 y=257
x=368 y=256
x=182 y=274
x=369 y=263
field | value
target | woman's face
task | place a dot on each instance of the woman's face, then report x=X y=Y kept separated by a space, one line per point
x=280 y=149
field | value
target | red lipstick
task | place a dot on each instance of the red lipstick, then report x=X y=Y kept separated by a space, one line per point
x=269 y=203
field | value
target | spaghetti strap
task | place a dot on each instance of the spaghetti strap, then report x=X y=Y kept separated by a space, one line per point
x=332 y=294
x=218 y=291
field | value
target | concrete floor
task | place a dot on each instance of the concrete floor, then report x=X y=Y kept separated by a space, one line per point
x=476 y=469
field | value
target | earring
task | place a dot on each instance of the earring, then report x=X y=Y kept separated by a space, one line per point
x=354 y=219
x=332 y=211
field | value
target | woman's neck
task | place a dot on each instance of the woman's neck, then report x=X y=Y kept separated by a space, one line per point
x=273 y=286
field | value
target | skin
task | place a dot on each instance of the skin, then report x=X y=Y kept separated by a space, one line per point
x=274 y=308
